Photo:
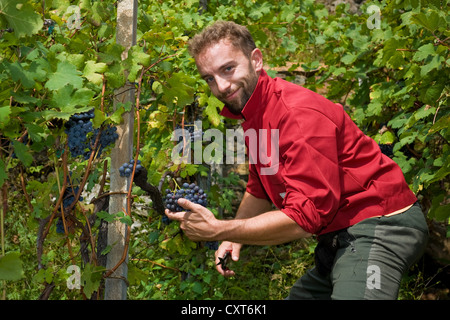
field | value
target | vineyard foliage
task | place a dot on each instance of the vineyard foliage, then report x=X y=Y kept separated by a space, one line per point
x=388 y=64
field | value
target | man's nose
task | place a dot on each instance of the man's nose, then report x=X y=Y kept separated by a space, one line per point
x=223 y=85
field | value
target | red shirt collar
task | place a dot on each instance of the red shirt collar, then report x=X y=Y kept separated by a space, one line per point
x=256 y=101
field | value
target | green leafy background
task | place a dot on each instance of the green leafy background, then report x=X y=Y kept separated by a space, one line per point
x=393 y=82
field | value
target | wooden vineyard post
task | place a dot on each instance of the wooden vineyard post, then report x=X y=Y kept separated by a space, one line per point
x=116 y=283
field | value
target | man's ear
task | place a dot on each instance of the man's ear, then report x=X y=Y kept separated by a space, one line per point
x=256 y=59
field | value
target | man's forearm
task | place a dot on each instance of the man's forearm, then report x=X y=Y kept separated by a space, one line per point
x=251 y=226
x=269 y=228
x=251 y=206
x=256 y=224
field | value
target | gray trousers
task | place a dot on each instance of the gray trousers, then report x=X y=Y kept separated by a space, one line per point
x=370 y=259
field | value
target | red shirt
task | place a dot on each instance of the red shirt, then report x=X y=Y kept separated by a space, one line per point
x=327 y=174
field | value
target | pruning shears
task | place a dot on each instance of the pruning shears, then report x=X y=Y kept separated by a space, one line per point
x=224 y=260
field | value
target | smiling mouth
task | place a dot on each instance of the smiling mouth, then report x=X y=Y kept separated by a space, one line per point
x=232 y=95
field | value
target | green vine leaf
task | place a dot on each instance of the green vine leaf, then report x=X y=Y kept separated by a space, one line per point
x=67 y=99
x=93 y=71
x=20 y=16
x=22 y=152
x=11 y=267
x=4 y=116
x=65 y=74
x=211 y=110
x=91 y=278
x=431 y=20
x=424 y=52
x=18 y=73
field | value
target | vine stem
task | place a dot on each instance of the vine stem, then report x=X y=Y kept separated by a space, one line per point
x=69 y=247
x=102 y=101
x=107 y=194
x=409 y=50
x=91 y=237
x=442 y=42
x=2 y=230
x=24 y=189
x=129 y=196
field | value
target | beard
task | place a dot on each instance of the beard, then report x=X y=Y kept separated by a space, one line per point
x=246 y=85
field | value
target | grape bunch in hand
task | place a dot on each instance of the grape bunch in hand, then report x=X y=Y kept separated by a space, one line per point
x=190 y=192
x=193 y=193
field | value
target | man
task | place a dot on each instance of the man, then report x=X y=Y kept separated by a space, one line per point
x=328 y=179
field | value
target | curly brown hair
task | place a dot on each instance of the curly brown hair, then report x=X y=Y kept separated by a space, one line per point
x=239 y=36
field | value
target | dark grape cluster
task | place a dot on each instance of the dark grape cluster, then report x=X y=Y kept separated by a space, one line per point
x=387 y=149
x=212 y=245
x=68 y=199
x=108 y=136
x=165 y=219
x=194 y=133
x=59 y=226
x=126 y=169
x=78 y=130
x=69 y=196
x=191 y=192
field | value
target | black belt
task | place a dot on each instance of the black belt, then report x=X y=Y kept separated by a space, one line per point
x=328 y=245
x=326 y=249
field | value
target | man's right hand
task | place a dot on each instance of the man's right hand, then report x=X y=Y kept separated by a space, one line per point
x=235 y=249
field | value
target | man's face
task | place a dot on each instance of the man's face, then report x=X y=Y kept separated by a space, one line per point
x=231 y=75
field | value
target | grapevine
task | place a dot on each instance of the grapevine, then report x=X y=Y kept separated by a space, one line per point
x=59 y=106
